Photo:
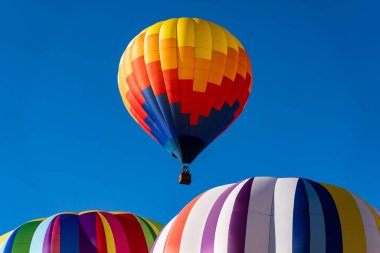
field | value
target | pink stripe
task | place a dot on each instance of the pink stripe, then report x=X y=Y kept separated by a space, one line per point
x=121 y=241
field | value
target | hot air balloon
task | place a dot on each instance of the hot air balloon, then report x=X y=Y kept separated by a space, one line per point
x=184 y=81
x=86 y=232
x=273 y=215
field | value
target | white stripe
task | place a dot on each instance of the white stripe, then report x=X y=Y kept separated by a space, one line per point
x=2 y=246
x=196 y=221
x=317 y=221
x=370 y=227
x=37 y=243
x=284 y=194
x=161 y=239
x=223 y=225
x=259 y=215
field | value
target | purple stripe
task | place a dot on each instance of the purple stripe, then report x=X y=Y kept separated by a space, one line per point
x=208 y=237
x=87 y=233
x=238 y=223
x=48 y=235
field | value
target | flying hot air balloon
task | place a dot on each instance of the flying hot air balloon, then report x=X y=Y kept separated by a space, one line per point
x=86 y=232
x=273 y=215
x=184 y=81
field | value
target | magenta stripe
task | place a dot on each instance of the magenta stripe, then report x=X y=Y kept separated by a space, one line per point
x=238 y=223
x=208 y=237
x=119 y=236
x=87 y=233
x=48 y=235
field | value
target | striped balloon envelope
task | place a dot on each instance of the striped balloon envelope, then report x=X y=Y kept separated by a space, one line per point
x=184 y=81
x=273 y=215
x=87 y=232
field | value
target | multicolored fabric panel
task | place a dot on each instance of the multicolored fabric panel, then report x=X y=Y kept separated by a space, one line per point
x=87 y=232
x=273 y=215
x=184 y=81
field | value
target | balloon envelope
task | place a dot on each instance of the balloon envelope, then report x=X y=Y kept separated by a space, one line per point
x=87 y=232
x=265 y=215
x=184 y=81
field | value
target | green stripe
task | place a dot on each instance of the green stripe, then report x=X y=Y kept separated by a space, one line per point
x=23 y=239
x=149 y=234
x=158 y=225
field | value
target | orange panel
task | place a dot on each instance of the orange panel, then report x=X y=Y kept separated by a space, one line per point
x=165 y=43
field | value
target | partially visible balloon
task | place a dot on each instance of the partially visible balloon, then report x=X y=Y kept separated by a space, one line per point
x=184 y=81
x=86 y=232
x=273 y=215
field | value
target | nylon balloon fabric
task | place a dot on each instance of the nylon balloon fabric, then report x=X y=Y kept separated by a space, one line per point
x=184 y=81
x=273 y=215
x=87 y=232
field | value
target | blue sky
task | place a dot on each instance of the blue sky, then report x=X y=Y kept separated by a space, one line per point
x=68 y=144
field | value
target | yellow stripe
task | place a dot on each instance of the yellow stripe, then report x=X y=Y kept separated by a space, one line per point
x=154 y=29
x=109 y=236
x=169 y=29
x=89 y=211
x=203 y=39
x=137 y=49
x=231 y=41
x=123 y=88
x=155 y=229
x=127 y=59
x=185 y=32
x=4 y=237
x=219 y=39
x=353 y=232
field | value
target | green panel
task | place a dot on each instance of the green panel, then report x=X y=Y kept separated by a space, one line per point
x=24 y=236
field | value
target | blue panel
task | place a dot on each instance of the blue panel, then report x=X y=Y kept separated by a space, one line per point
x=69 y=226
x=156 y=132
x=8 y=247
x=301 y=220
x=334 y=242
x=207 y=128
x=176 y=113
x=151 y=107
x=163 y=103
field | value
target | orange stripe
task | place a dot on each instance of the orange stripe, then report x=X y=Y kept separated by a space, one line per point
x=173 y=240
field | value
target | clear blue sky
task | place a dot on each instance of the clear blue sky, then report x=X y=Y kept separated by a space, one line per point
x=68 y=144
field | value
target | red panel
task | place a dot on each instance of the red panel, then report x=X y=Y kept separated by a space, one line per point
x=136 y=106
x=140 y=73
x=185 y=107
x=185 y=85
x=171 y=79
x=55 y=245
x=173 y=240
x=156 y=78
x=208 y=100
x=134 y=233
x=226 y=86
x=197 y=101
x=173 y=97
x=212 y=89
x=131 y=81
x=142 y=123
x=194 y=118
x=218 y=103
x=185 y=100
x=100 y=235
x=232 y=96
